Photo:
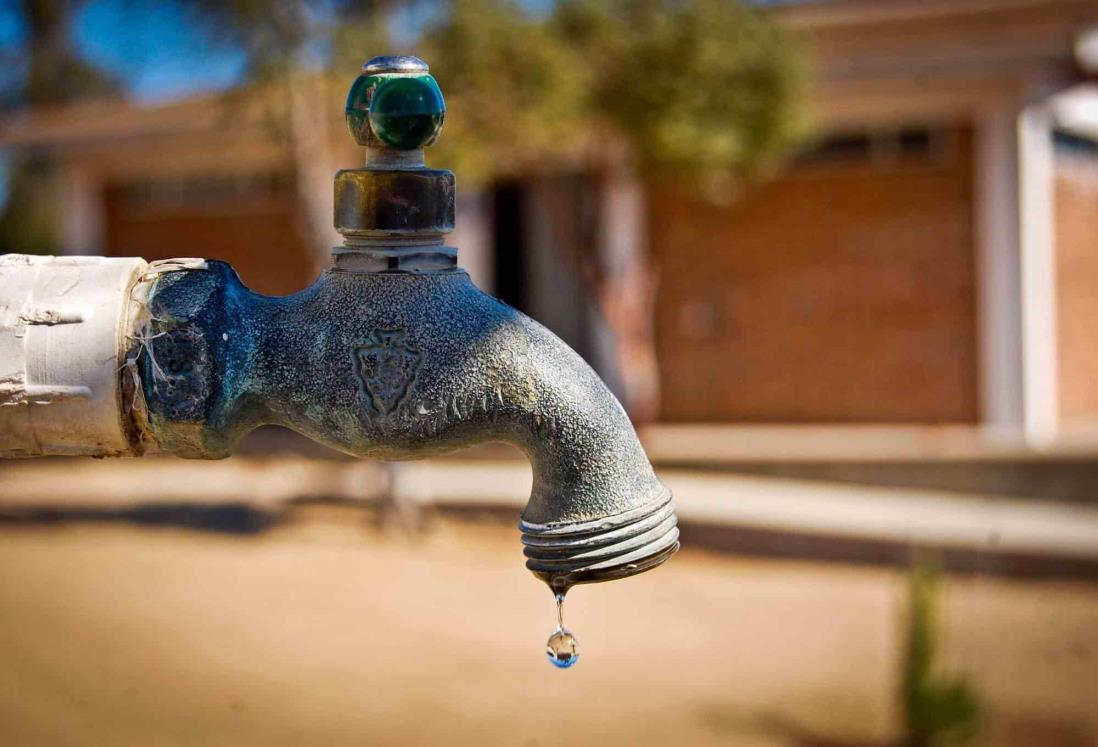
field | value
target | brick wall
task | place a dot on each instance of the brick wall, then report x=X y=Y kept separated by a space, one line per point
x=251 y=225
x=1077 y=282
x=842 y=292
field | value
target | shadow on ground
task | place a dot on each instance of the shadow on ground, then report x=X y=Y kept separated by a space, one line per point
x=222 y=518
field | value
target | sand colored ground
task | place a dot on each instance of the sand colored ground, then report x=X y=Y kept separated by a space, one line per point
x=329 y=633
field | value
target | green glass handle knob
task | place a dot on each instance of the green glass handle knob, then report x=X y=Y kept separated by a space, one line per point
x=406 y=112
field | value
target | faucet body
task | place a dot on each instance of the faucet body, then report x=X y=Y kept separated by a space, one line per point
x=392 y=353
x=403 y=365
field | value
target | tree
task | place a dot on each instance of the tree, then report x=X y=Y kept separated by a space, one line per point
x=52 y=72
x=703 y=91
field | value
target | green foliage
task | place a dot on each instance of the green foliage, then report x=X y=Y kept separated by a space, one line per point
x=937 y=710
x=514 y=89
x=28 y=223
x=696 y=86
x=693 y=86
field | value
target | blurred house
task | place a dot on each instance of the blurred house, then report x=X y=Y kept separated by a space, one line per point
x=933 y=259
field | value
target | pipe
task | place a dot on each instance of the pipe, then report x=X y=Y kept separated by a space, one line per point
x=63 y=324
x=394 y=354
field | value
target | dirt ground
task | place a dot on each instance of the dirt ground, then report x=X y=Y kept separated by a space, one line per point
x=328 y=632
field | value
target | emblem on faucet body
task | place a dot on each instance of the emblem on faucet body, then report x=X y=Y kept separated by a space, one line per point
x=386 y=365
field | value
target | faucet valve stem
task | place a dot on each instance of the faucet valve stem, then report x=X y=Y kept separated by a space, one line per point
x=395 y=205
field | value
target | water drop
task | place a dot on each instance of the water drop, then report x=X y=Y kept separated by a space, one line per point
x=561 y=647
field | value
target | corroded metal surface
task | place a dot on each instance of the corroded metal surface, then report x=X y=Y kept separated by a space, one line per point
x=401 y=365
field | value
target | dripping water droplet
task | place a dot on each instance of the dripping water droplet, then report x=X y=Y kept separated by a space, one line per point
x=561 y=647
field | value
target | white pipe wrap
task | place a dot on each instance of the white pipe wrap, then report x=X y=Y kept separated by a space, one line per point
x=64 y=329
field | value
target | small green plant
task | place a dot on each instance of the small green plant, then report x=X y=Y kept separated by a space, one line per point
x=938 y=710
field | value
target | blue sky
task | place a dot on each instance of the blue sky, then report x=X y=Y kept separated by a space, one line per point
x=156 y=50
x=152 y=47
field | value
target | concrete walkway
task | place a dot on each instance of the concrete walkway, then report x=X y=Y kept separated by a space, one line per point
x=708 y=500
